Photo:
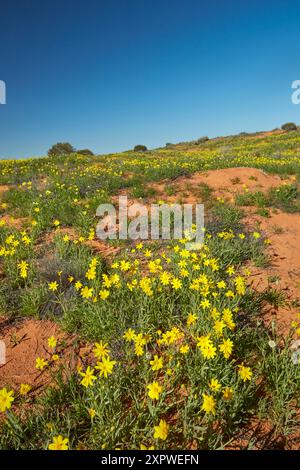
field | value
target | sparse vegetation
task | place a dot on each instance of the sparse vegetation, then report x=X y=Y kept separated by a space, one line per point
x=159 y=346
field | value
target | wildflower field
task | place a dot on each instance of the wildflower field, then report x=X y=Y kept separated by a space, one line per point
x=147 y=345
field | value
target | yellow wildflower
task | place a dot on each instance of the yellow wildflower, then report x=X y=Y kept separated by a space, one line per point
x=40 y=363
x=244 y=372
x=24 y=389
x=156 y=363
x=101 y=350
x=105 y=366
x=209 y=404
x=6 y=399
x=88 y=377
x=59 y=443
x=53 y=286
x=154 y=390
x=226 y=348
x=214 y=385
x=162 y=430
x=52 y=342
x=129 y=335
x=192 y=318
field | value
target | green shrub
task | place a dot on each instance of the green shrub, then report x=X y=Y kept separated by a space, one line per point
x=140 y=148
x=201 y=140
x=85 y=152
x=289 y=126
x=60 y=149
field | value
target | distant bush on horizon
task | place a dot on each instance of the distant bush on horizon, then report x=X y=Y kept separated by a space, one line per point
x=140 y=148
x=85 y=152
x=201 y=140
x=61 y=149
x=289 y=126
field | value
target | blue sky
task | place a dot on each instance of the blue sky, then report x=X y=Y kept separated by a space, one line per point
x=110 y=74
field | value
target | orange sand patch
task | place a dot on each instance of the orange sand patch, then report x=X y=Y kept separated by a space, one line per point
x=225 y=184
x=262 y=135
x=25 y=342
x=17 y=223
x=285 y=261
x=4 y=188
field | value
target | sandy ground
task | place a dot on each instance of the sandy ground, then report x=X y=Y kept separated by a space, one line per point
x=282 y=229
x=24 y=342
x=27 y=340
x=224 y=183
x=284 y=232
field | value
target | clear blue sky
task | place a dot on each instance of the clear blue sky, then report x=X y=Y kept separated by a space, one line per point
x=110 y=74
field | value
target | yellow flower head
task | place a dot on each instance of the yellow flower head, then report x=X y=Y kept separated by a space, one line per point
x=161 y=431
x=184 y=349
x=207 y=347
x=244 y=372
x=88 y=377
x=23 y=268
x=156 y=363
x=105 y=366
x=53 y=286
x=192 y=318
x=209 y=404
x=78 y=285
x=154 y=390
x=25 y=389
x=6 y=399
x=104 y=293
x=59 y=443
x=214 y=385
x=101 y=350
x=52 y=342
x=86 y=292
x=129 y=335
x=40 y=363
x=226 y=348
